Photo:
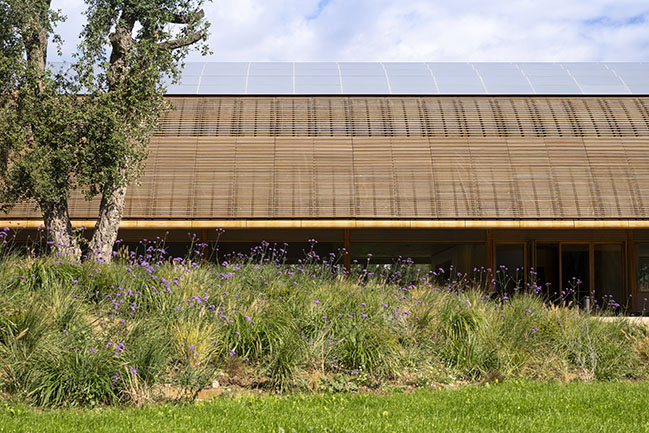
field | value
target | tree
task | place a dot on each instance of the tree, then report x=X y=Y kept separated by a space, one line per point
x=40 y=116
x=88 y=130
x=146 y=46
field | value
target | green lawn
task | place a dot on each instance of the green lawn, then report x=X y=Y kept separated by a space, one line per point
x=509 y=407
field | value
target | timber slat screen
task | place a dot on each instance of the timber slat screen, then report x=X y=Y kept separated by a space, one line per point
x=394 y=157
x=401 y=116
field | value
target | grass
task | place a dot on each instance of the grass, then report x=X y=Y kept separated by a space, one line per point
x=149 y=327
x=510 y=407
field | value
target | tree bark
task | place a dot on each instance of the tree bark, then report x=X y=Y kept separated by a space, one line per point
x=59 y=231
x=103 y=239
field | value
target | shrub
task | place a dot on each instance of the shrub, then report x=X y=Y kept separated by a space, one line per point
x=83 y=335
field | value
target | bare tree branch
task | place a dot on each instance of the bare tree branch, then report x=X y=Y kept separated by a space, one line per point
x=182 y=42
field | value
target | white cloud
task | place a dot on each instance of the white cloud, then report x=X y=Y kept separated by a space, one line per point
x=418 y=30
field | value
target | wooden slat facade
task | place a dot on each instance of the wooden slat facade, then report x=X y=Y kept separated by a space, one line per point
x=407 y=116
x=455 y=158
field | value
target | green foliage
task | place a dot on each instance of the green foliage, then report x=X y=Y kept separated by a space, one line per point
x=147 y=327
x=39 y=112
x=127 y=91
x=87 y=128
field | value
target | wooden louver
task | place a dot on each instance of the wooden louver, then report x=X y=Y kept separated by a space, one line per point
x=394 y=157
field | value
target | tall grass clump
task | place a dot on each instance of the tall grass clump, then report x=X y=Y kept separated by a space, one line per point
x=149 y=326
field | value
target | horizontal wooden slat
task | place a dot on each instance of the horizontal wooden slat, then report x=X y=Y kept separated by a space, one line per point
x=387 y=177
x=472 y=224
x=401 y=116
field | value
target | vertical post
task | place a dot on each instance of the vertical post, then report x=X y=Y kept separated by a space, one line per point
x=347 y=246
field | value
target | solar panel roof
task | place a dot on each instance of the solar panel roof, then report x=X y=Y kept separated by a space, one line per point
x=437 y=78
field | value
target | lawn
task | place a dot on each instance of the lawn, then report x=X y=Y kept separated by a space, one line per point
x=510 y=407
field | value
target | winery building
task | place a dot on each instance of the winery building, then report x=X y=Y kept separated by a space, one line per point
x=541 y=166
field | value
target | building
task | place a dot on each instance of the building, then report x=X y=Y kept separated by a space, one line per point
x=535 y=165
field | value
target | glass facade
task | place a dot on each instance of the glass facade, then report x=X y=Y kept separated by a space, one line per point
x=575 y=272
x=642 y=266
x=462 y=257
x=608 y=270
x=569 y=271
x=547 y=269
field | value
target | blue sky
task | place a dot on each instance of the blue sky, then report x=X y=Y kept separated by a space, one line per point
x=415 y=30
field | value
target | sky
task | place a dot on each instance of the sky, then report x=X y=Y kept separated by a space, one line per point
x=414 y=30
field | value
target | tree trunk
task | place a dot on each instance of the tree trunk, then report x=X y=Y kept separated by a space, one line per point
x=105 y=235
x=59 y=230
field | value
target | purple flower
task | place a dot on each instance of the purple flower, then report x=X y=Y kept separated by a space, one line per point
x=232 y=352
x=133 y=371
x=316 y=302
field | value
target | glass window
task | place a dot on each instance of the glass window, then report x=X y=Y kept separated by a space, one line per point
x=510 y=266
x=608 y=276
x=464 y=257
x=279 y=252
x=575 y=272
x=642 y=265
x=547 y=269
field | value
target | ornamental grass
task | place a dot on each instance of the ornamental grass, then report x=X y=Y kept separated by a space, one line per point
x=151 y=327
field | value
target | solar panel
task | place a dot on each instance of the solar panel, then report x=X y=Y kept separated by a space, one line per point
x=317 y=85
x=549 y=78
x=316 y=69
x=365 y=85
x=402 y=78
x=271 y=69
x=634 y=75
x=407 y=69
x=596 y=78
x=193 y=69
x=503 y=78
x=412 y=85
x=270 y=84
x=217 y=69
x=457 y=78
x=362 y=69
